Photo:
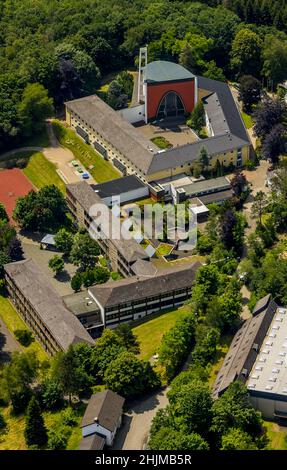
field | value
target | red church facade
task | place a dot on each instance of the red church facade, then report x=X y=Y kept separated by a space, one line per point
x=156 y=93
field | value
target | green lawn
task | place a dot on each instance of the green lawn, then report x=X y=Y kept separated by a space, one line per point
x=161 y=142
x=41 y=172
x=150 y=332
x=101 y=170
x=164 y=249
x=277 y=436
x=247 y=119
x=14 y=322
x=13 y=437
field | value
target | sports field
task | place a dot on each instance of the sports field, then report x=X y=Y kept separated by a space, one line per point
x=13 y=184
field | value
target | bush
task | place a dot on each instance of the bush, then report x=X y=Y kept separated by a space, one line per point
x=68 y=417
x=24 y=337
x=76 y=282
x=52 y=395
x=57 y=441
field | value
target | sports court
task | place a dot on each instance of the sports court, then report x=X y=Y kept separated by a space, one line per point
x=13 y=184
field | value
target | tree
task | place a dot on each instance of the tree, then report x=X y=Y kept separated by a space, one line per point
x=4 y=259
x=101 y=275
x=235 y=439
x=3 y=213
x=35 y=430
x=213 y=72
x=129 y=339
x=246 y=53
x=168 y=438
x=69 y=373
x=18 y=377
x=129 y=376
x=267 y=115
x=51 y=394
x=57 y=264
x=274 y=143
x=108 y=347
x=232 y=227
x=250 y=90
x=203 y=158
x=224 y=310
x=64 y=241
x=34 y=108
x=85 y=251
x=176 y=344
x=41 y=211
x=275 y=60
x=207 y=339
x=57 y=440
x=197 y=117
x=193 y=51
x=239 y=184
x=15 y=250
x=24 y=337
x=259 y=205
x=76 y=282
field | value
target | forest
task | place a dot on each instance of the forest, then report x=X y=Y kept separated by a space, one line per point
x=68 y=46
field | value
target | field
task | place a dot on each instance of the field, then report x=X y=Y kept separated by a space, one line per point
x=13 y=437
x=247 y=119
x=14 y=322
x=102 y=170
x=13 y=184
x=150 y=332
x=41 y=172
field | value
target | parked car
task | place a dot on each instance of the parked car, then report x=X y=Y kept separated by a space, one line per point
x=86 y=176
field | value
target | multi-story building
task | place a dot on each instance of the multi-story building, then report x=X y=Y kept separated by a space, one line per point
x=122 y=253
x=170 y=91
x=136 y=297
x=42 y=309
x=257 y=356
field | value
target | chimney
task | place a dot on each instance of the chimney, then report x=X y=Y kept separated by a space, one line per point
x=96 y=419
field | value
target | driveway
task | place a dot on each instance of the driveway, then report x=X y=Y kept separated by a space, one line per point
x=137 y=421
x=8 y=343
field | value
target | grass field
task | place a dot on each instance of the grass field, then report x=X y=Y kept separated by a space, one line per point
x=150 y=332
x=247 y=119
x=102 y=170
x=41 y=172
x=277 y=435
x=13 y=437
x=14 y=322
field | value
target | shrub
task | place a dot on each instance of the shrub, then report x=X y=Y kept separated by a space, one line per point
x=68 y=417
x=24 y=337
x=57 y=441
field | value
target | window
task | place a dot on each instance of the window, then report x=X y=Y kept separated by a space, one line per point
x=170 y=105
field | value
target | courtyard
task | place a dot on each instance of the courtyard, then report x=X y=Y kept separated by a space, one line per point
x=175 y=132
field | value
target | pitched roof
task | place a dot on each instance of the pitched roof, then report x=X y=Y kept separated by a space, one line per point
x=106 y=407
x=136 y=288
x=164 y=71
x=92 y=442
x=84 y=194
x=114 y=129
x=36 y=288
x=241 y=354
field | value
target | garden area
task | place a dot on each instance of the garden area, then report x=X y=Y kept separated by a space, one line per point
x=100 y=169
x=161 y=142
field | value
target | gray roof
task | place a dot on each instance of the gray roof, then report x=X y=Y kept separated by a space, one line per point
x=80 y=303
x=261 y=304
x=118 y=186
x=92 y=442
x=87 y=197
x=106 y=407
x=36 y=288
x=48 y=239
x=141 y=152
x=189 y=153
x=136 y=288
x=84 y=194
x=208 y=185
x=215 y=114
x=164 y=71
x=217 y=197
x=242 y=353
x=144 y=268
x=114 y=129
x=228 y=106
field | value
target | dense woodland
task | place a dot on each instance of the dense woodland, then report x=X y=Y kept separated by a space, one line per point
x=67 y=46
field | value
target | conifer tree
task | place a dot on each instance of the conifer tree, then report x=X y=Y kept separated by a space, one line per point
x=35 y=430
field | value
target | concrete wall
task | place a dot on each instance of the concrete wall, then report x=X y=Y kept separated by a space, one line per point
x=133 y=114
x=139 y=193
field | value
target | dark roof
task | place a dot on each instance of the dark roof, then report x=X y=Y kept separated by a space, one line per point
x=92 y=442
x=106 y=407
x=84 y=194
x=164 y=71
x=36 y=288
x=262 y=304
x=136 y=288
x=118 y=186
x=227 y=104
x=216 y=197
x=114 y=129
x=241 y=354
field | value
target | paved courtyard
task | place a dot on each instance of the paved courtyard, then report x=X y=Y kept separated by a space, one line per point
x=177 y=134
